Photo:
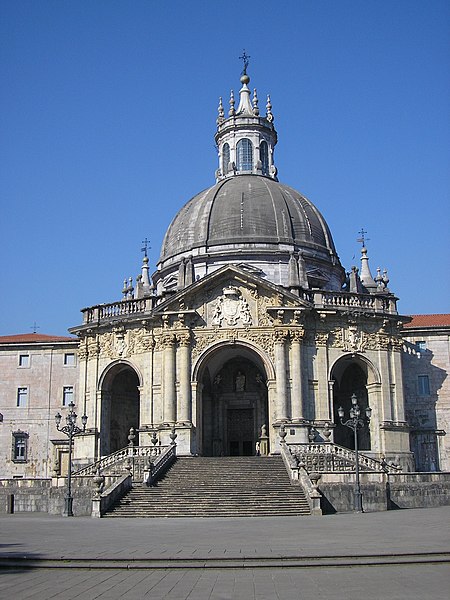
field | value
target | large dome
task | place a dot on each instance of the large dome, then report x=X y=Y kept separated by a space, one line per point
x=247 y=210
x=248 y=218
x=251 y=219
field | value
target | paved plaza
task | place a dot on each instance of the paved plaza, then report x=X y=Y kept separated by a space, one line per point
x=397 y=555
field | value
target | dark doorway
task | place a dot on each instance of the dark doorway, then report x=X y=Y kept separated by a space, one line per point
x=234 y=408
x=240 y=430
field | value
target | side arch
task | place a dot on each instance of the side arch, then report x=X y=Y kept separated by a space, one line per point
x=119 y=390
x=354 y=374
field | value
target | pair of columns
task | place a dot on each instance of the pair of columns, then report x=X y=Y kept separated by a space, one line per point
x=177 y=407
x=296 y=366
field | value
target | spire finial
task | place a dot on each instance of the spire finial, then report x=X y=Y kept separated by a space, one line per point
x=255 y=103
x=220 y=111
x=232 y=111
x=269 y=115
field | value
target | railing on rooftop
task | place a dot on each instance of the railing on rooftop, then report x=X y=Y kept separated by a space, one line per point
x=123 y=308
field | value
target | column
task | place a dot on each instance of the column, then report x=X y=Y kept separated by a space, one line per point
x=397 y=379
x=297 y=408
x=321 y=370
x=280 y=369
x=169 y=390
x=184 y=396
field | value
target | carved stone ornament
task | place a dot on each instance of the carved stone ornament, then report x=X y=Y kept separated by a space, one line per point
x=139 y=341
x=107 y=345
x=321 y=338
x=231 y=308
x=120 y=344
x=354 y=339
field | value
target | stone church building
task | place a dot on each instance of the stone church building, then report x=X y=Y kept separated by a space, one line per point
x=249 y=327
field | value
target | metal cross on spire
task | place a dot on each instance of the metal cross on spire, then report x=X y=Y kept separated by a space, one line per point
x=245 y=58
x=145 y=247
x=362 y=240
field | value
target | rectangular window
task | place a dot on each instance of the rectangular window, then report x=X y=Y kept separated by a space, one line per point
x=22 y=397
x=69 y=359
x=24 y=360
x=421 y=346
x=19 y=446
x=423 y=382
x=67 y=395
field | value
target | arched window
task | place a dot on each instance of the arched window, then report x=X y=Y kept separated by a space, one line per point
x=225 y=158
x=264 y=157
x=244 y=155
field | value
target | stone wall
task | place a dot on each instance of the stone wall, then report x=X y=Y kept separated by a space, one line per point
x=47 y=495
x=381 y=492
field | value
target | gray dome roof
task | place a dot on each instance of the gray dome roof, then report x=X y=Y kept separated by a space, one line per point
x=250 y=211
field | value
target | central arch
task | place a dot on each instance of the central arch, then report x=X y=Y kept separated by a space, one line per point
x=232 y=401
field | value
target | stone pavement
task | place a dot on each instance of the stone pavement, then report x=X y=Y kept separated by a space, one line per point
x=398 y=554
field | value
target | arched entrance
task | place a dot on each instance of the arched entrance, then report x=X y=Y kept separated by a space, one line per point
x=233 y=405
x=120 y=407
x=350 y=378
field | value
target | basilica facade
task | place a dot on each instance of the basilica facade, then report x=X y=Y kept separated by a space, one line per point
x=249 y=327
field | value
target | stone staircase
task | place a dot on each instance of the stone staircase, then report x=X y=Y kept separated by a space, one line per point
x=217 y=487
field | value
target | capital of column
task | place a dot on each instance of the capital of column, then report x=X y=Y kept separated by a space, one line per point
x=280 y=336
x=168 y=340
x=297 y=335
x=184 y=338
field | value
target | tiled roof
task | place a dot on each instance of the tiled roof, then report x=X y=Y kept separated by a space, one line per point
x=36 y=338
x=429 y=321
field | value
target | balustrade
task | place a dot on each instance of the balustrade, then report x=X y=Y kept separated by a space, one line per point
x=116 y=309
x=138 y=456
x=333 y=458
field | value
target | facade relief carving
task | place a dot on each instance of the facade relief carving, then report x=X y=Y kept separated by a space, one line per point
x=231 y=309
x=139 y=341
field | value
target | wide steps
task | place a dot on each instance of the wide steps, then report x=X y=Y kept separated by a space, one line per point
x=217 y=487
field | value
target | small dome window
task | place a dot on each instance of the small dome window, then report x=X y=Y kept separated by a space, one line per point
x=244 y=155
x=225 y=158
x=264 y=157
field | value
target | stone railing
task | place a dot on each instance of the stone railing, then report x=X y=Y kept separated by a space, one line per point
x=132 y=458
x=299 y=476
x=331 y=458
x=156 y=468
x=347 y=300
x=123 y=308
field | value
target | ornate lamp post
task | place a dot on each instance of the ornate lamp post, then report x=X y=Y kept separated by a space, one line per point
x=355 y=422
x=71 y=430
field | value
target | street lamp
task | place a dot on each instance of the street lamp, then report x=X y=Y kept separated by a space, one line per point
x=71 y=430
x=355 y=422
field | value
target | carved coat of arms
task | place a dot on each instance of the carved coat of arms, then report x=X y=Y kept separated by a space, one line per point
x=231 y=308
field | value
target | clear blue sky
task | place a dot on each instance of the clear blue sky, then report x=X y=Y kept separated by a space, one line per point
x=108 y=112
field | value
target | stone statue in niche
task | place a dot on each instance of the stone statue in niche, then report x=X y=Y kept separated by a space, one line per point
x=231 y=308
x=240 y=382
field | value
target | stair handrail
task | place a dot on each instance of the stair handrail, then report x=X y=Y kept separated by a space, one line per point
x=119 y=456
x=332 y=449
x=159 y=466
x=299 y=476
